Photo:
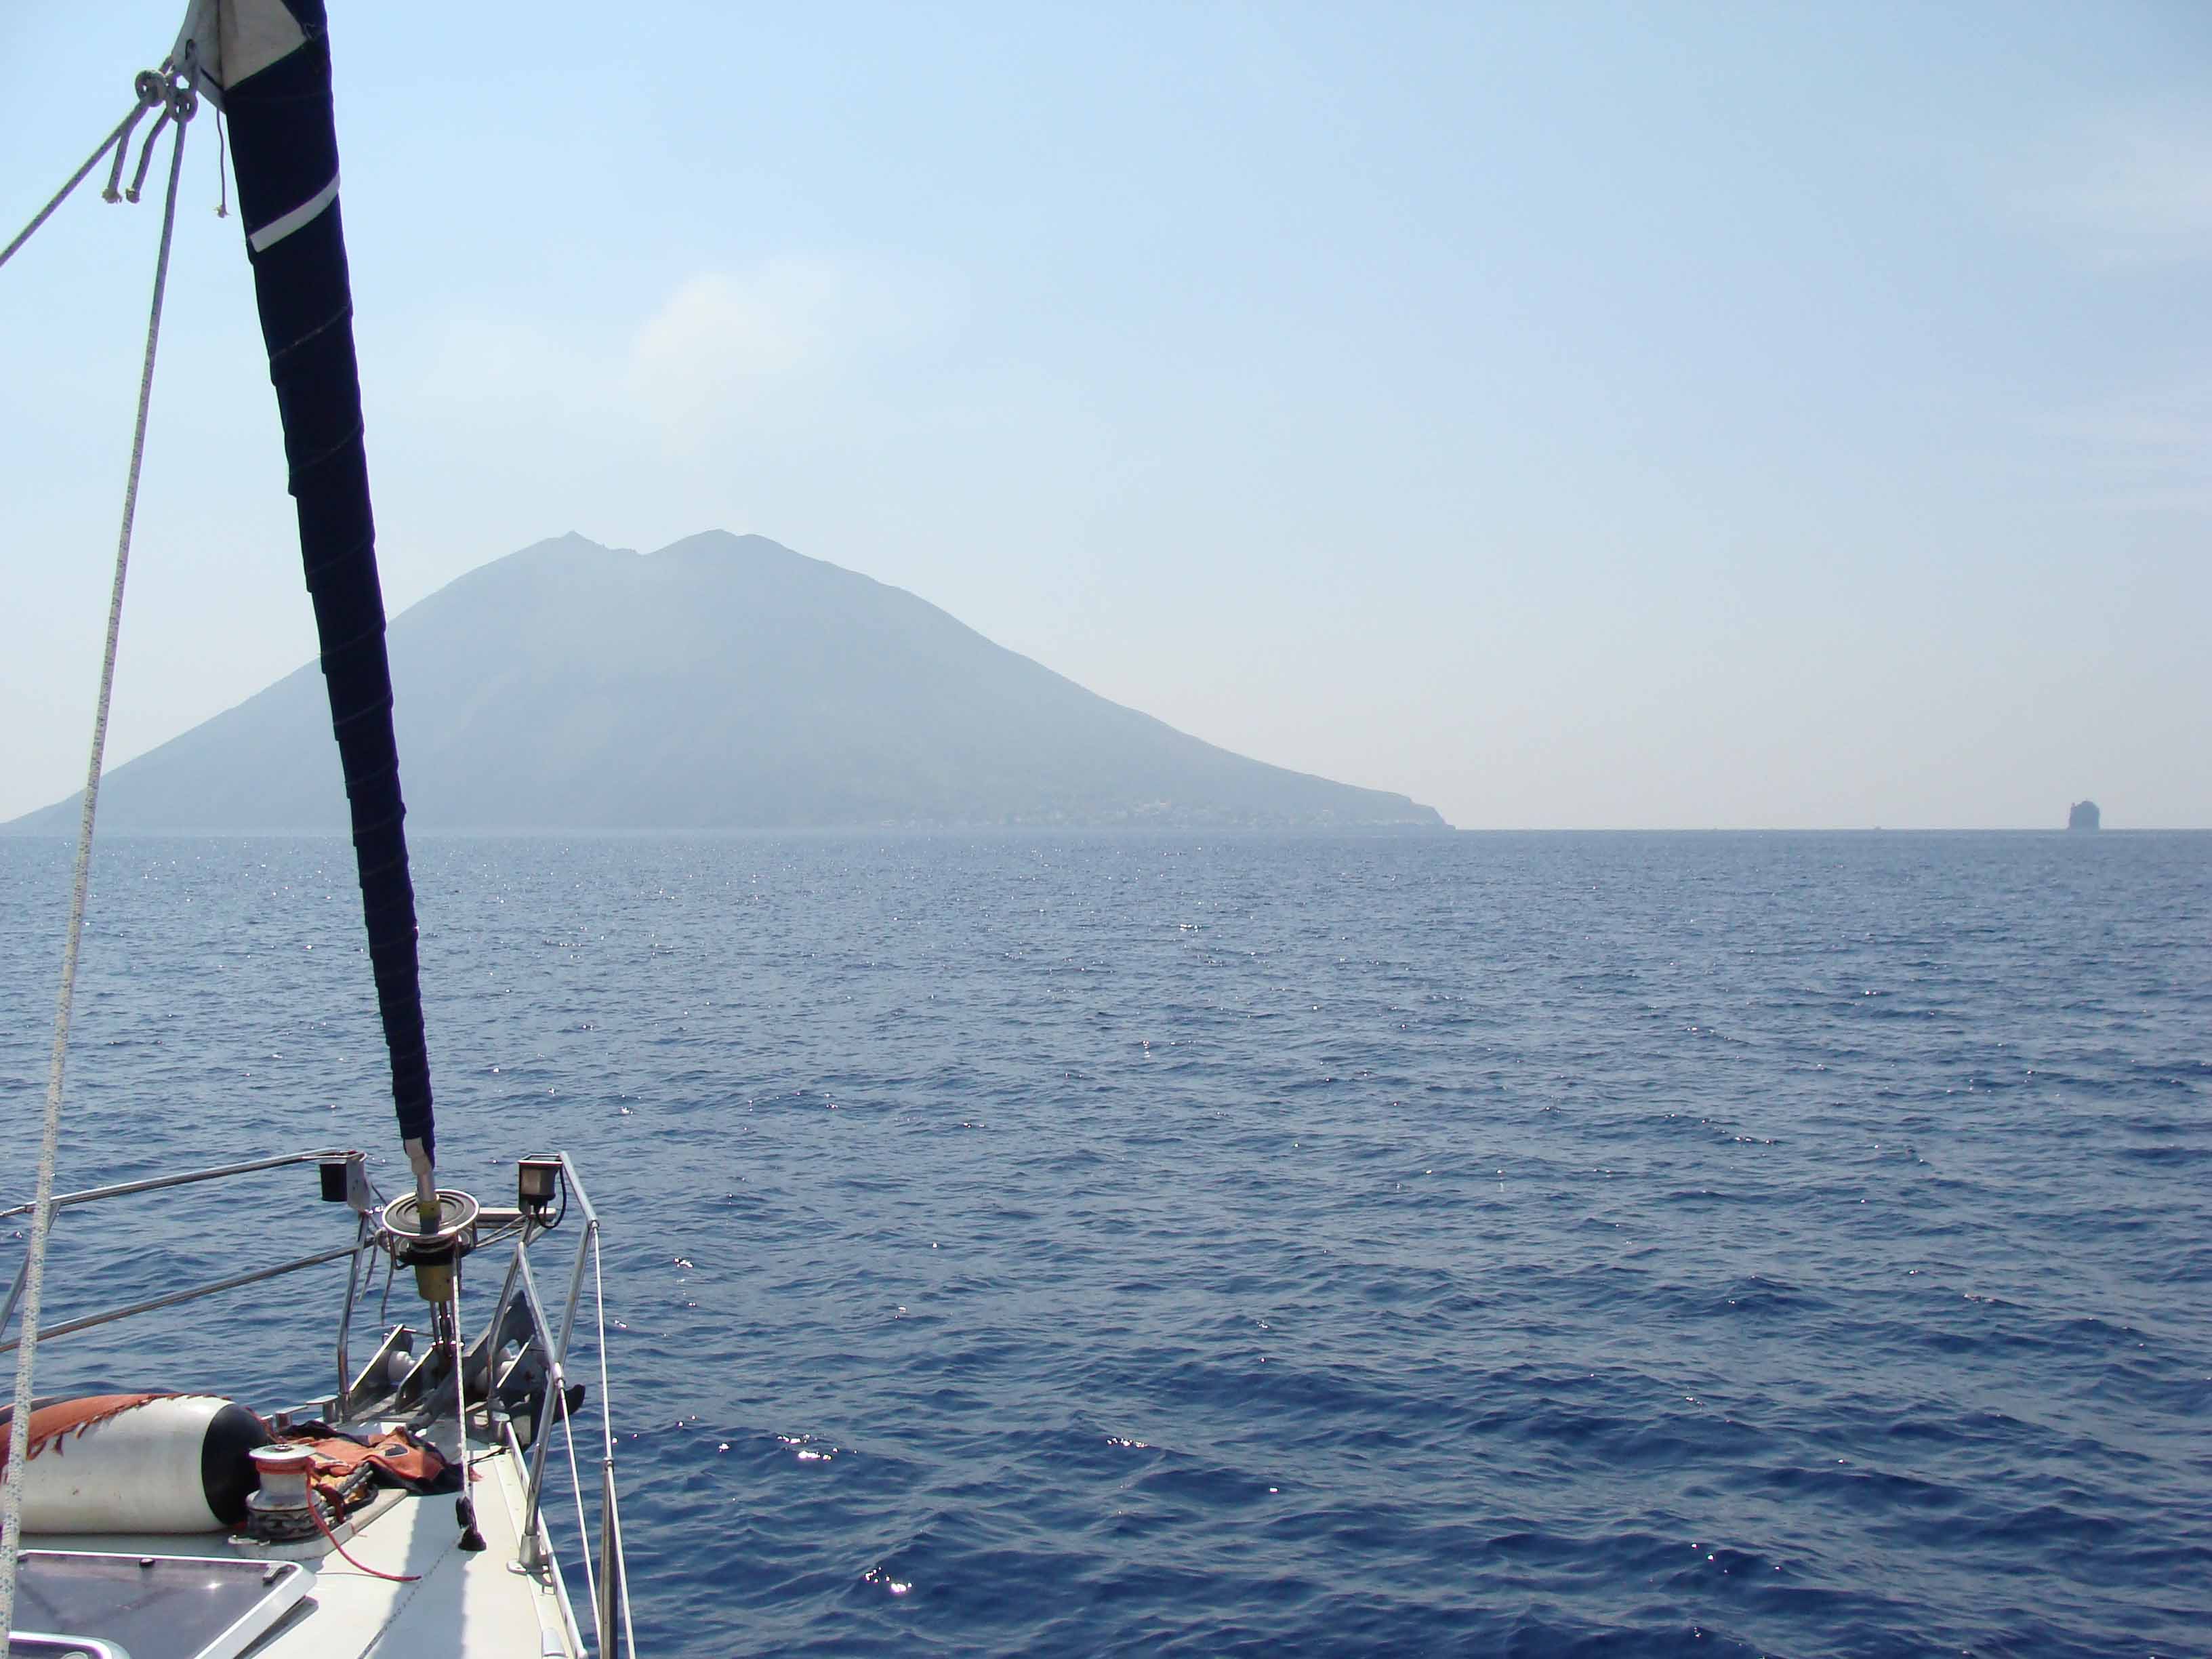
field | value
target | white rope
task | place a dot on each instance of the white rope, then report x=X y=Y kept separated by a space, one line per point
x=121 y=135
x=146 y=156
x=42 y=1216
x=221 y=170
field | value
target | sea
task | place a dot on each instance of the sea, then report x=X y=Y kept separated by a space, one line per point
x=1035 y=1244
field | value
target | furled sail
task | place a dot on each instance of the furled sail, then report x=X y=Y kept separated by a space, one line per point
x=266 y=64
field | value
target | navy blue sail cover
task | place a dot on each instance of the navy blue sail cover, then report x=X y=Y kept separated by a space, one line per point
x=269 y=65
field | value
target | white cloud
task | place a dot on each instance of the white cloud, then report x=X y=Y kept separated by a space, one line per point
x=720 y=347
x=510 y=361
x=2126 y=189
x=2150 y=452
x=725 y=342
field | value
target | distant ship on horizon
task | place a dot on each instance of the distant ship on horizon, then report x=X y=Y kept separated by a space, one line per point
x=2083 y=815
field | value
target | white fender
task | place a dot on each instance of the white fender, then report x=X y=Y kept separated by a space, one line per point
x=137 y=1462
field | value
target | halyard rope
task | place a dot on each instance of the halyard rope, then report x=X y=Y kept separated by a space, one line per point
x=179 y=103
x=323 y=1527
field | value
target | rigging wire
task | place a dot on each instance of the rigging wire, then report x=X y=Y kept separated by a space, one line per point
x=608 y=1520
x=121 y=136
x=558 y=1401
x=178 y=101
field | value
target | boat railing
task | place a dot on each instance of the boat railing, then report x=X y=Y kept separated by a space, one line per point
x=522 y=1312
x=519 y=1343
x=152 y=1183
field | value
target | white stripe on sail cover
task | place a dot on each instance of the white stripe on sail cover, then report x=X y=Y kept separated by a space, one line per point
x=285 y=223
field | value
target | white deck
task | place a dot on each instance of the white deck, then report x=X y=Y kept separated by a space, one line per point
x=468 y=1605
x=457 y=1604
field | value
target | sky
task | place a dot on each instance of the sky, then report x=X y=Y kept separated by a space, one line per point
x=1572 y=416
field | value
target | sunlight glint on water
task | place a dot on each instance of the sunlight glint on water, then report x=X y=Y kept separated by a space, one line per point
x=1642 y=1244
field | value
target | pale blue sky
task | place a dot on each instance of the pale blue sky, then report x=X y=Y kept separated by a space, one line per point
x=1571 y=415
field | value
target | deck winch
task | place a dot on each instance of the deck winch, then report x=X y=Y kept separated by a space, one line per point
x=280 y=1510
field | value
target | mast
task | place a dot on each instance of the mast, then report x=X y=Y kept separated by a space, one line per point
x=266 y=64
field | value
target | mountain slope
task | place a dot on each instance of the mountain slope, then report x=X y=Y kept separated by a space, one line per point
x=723 y=682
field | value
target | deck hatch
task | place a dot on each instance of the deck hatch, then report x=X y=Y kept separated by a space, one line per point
x=156 y=1607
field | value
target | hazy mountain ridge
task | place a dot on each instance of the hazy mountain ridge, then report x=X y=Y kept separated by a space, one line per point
x=724 y=683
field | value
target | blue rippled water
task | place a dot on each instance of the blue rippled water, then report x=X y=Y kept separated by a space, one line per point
x=1545 y=1245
